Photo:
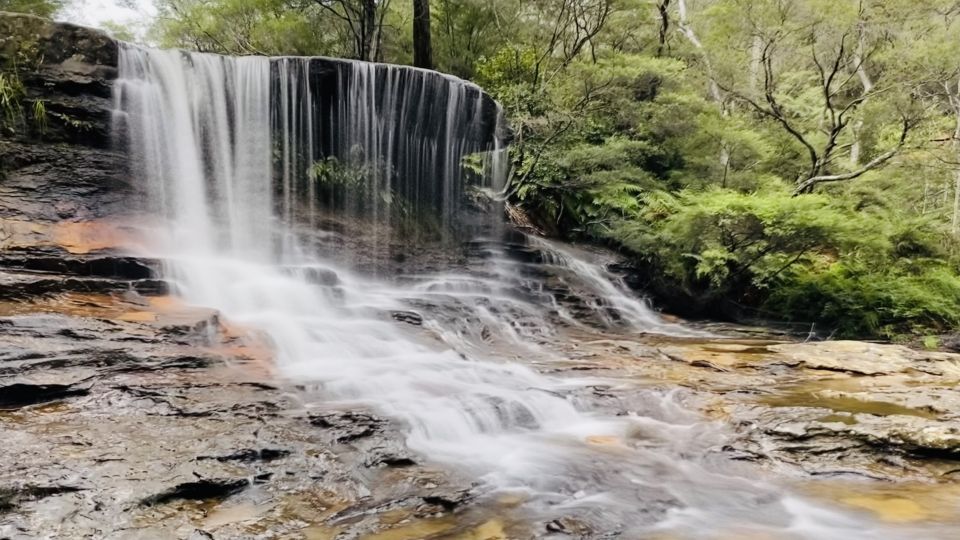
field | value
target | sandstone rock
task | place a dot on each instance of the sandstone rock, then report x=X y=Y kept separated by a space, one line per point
x=864 y=358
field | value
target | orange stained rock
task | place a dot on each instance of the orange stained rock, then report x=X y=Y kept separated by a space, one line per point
x=252 y=347
x=78 y=237
x=137 y=316
x=165 y=303
x=102 y=306
x=81 y=237
x=605 y=440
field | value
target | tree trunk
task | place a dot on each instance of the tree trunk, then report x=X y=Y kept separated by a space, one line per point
x=368 y=30
x=756 y=63
x=955 y=101
x=867 y=84
x=713 y=87
x=663 y=9
x=422 y=48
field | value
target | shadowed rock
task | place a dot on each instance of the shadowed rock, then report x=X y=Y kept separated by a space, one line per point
x=17 y=395
x=409 y=317
x=11 y=497
x=389 y=456
x=349 y=426
x=213 y=488
x=250 y=455
x=449 y=500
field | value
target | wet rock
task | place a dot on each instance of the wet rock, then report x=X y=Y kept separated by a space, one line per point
x=391 y=456
x=152 y=386
x=18 y=395
x=11 y=497
x=25 y=286
x=409 y=317
x=568 y=526
x=79 y=358
x=318 y=276
x=160 y=364
x=205 y=489
x=449 y=500
x=349 y=426
x=197 y=326
x=59 y=262
x=248 y=455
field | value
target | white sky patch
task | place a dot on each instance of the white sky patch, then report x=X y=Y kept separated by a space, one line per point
x=133 y=14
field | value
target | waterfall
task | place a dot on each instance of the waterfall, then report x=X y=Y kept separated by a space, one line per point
x=236 y=154
x=198 y=131
x=374 y=139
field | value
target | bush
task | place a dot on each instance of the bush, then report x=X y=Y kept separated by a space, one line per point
x=859 y=301
x=811 y=259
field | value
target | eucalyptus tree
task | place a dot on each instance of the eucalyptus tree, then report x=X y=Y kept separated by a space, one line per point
x=932 y=61
x=809 y=68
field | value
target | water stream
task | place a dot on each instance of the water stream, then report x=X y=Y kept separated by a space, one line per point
x=227 y=149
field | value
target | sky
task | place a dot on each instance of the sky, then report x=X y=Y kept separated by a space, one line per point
x=133 y=13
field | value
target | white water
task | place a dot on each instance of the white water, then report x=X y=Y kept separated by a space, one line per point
x=203 y=131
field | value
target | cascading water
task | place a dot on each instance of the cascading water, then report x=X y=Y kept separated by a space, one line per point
x=228 y=150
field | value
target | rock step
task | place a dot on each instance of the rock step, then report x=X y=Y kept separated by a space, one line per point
x=25 y=285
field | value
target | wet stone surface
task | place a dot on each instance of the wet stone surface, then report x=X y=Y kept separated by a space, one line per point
x=133 y=416
x=127 y=416
x=854 y=409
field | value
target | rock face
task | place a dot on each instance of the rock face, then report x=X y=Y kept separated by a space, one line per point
x=64 y=189
x=55 y=159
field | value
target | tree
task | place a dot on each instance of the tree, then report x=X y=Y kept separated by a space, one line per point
x=422 y=48
x=364 y=19
x=467 y=31
x=43 y=8
x=933 y=61
x=810 y=57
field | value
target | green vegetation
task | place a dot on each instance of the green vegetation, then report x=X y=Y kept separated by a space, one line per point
x=795 y=161
x=11 y=92
x=356 y=187
x=43 y=8
x=19 y=54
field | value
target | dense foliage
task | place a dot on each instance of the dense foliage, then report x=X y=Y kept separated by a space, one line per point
x=43 y=8
x=786 y=160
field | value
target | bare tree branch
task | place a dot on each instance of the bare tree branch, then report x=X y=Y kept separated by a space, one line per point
x=808 y=184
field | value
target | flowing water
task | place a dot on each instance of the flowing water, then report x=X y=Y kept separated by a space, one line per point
x=227 y=149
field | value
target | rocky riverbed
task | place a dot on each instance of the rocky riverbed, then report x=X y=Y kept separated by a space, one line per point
x=131 y=416
x=127 y=414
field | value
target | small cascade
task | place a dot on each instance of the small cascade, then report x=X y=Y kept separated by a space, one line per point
x=239 y=155
x=606 y=295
